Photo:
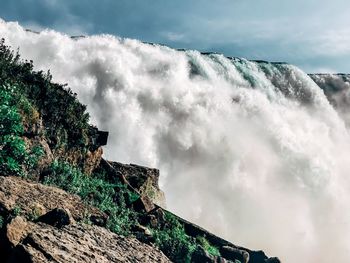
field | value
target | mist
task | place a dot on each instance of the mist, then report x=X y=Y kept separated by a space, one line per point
x=252 y=151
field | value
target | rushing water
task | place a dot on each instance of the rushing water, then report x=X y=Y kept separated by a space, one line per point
x=253 y=151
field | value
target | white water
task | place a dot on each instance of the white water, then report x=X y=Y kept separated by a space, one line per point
x=264 y=165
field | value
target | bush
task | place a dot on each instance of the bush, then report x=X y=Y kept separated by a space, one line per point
x=14 y=154
x=12 y=146
x=64 y=117
x=173 y=241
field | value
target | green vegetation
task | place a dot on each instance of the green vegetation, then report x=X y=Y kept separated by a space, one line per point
x=63 y=116
x=173 y=241
x=212 y=250
x=2 y=221
x=13 y=150
x=16 y=211
x=113 y=198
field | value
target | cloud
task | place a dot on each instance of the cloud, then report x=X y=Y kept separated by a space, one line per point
x=295 y=31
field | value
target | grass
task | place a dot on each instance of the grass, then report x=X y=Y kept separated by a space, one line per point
x=112 y=198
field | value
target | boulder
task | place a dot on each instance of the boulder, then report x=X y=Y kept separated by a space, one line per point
x=143 y=179
x=16 y=230
x=57 y=217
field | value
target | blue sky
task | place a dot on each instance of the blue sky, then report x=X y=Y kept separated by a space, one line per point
x=312 y=34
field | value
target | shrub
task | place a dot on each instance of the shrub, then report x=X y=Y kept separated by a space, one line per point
x=14 y=154
x=64 y=117
x=173 y=241
x=111 y=198
x=12 y=146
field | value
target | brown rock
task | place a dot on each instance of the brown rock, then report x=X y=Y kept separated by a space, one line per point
x=92 y=160
x=82 y=243
x=16 y=230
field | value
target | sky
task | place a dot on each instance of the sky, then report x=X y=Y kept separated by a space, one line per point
x=312 y=34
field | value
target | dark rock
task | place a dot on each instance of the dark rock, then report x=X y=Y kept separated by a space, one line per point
x=143 y=204
x=257 y=256
x=202 y=256
x=273 y=260
x=97 y=138
x=57 y=217
x=233 y=253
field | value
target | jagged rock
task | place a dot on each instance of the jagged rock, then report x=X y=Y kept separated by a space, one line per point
x=57 y=217
x=232 y=253
x=143 y=179
x=82 y=243
x=25 y=196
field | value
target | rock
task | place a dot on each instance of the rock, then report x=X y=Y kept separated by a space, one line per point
x=143 y=179
x=273 y=260
x=142 y=229
x=143 y=204
x=92 y=160
x=29 y=198
x=232 y=253
x=57 y=217
x=16 y=230
x=202 y=256
x=82 y=243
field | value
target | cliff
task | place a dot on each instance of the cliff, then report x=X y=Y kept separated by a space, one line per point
x=60 y=201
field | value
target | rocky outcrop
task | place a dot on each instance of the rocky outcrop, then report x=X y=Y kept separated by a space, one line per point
x=45 y=224
x=142 y=179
